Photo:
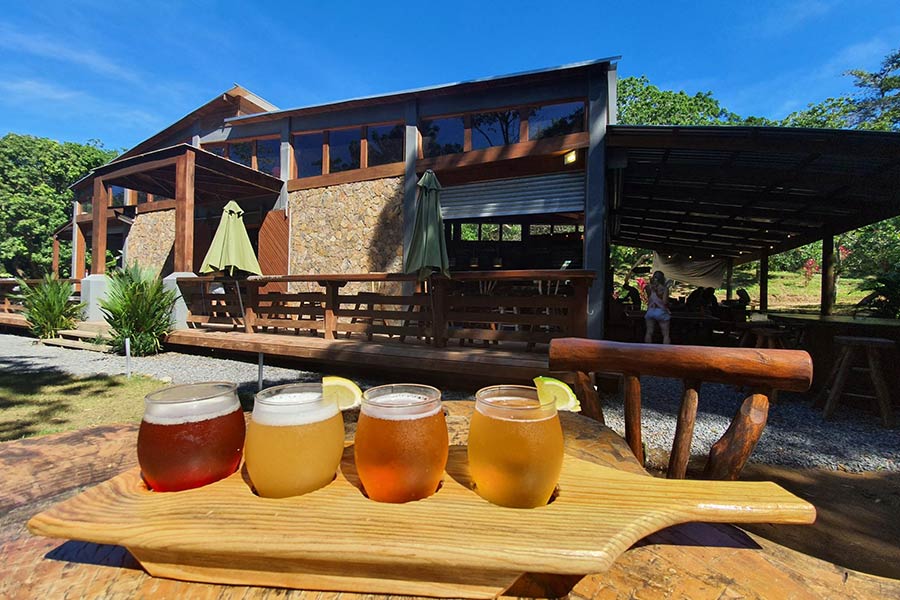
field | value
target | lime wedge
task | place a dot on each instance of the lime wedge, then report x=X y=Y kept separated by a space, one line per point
x=558 y=392
x=344 y=392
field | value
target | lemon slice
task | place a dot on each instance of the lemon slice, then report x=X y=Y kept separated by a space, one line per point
x=344 y=392
x=559 y=392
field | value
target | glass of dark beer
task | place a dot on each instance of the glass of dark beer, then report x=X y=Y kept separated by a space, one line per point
x=191 y=435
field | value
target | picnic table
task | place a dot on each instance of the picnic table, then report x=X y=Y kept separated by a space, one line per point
x=695 y=560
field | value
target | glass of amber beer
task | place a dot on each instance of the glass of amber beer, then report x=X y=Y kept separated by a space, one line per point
x=401 y=442
x=294 y=441
x=191 y=435
x=515 y=446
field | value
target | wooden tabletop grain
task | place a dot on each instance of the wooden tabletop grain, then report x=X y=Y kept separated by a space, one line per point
x=695 y=561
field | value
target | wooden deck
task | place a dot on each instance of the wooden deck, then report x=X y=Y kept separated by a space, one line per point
x=510 y=366
x=13 y=319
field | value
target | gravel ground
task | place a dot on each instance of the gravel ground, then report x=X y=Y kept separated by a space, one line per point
x=795 y=436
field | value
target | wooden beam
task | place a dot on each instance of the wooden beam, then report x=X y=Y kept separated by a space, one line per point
x=370 y=173
x=763 y=282
x=828 y=273
x=555 y=145
x=98 y=231
x=184 y=213
x=54 y=266
x=729 y=278
x=79 y=253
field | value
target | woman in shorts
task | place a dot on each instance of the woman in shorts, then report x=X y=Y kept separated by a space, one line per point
x=657 y=308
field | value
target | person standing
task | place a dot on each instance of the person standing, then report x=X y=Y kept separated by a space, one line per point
x=657 y=308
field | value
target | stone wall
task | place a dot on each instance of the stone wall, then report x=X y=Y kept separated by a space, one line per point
x=350 y=228
x=151 y=241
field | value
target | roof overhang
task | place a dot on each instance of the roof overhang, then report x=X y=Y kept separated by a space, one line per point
x=215 y=178
x=746 y=191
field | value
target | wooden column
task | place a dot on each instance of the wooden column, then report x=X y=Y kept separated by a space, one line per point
x=184 y=213
x=55 y=264
x=763 y=282
x=78 y=253
x=98 y=231
x=827 y=306
x=632 y=392
x=729 y=279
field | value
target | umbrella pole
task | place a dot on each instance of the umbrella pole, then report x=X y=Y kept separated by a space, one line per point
x=237 y=290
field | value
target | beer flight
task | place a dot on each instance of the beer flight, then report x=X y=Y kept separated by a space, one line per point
x=193 y=435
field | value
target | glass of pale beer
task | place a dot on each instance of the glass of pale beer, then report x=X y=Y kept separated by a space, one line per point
x=515 y=446
x=401 y=442
x=191 y=435
x=295 y=440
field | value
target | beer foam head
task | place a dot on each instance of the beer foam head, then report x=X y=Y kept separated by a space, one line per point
x=293 y=408
x=190 y=403
x=513 y=403
x=401 y=402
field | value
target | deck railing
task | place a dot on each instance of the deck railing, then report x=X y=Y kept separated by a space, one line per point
x=9 y=288
x=497 y=306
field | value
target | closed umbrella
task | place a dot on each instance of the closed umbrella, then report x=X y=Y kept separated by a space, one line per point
x=427 y=247
x=231 y=248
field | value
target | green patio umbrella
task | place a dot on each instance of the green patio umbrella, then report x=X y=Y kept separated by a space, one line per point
x=231 y=248
x=428 y=248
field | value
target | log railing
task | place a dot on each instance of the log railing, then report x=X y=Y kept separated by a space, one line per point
x=763 y=371
x=9 y=288
x=494 y=307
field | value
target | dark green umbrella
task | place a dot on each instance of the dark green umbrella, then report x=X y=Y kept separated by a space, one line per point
x=427 y=247
x=230 y=247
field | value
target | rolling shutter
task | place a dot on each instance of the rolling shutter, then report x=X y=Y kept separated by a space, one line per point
x=558 y=192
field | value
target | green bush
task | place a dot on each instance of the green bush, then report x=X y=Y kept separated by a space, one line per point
x=137 y=306
x=47 y=306
x=885 y=298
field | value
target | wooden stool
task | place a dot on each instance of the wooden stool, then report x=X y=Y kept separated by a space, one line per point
x=766 y=337
x=851 y=347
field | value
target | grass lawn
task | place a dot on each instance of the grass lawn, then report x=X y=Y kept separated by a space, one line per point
x=51 y=401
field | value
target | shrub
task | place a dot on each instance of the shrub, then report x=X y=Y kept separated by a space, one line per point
x=139 y=307
x=48 y=307
x=884 y=301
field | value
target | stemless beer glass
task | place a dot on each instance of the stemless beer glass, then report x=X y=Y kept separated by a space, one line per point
x=515 y=446
x=191 y=435
x=294 y=441
x=401 y=442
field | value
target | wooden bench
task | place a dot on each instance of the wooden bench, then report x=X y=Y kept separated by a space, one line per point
x=851 y=347
x=760 y=369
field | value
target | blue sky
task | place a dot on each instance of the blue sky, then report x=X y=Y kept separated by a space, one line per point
x=119 y=71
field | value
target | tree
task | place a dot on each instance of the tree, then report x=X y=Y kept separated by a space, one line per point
x=35 y=174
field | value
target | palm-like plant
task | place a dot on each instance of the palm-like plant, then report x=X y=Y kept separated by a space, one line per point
x=48 y=307
x=139 y=307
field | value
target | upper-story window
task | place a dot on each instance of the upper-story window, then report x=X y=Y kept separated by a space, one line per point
x=495 y=129
x=442 y=136
x=241 y=152
x=263 y=155
x=385 y=144
x=343 y=149
x=555 y=119
x=268 y=157
x=308 y=154
x=117 y=195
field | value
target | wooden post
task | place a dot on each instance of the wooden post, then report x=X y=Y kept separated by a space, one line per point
x=78 y=252
x=827 y=306
x=439 y=291
x=331 y=304
x=633 y=415
x=763 y=282
x=184 y=213
x=55 y=264
x=729 y=278
x=579 y=307
x=684 y=431
x=728 y=456
x=250 y=307
x=98 y=231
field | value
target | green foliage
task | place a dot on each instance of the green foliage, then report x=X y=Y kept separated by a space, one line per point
x=47 y=306
x=35 y=174
x=139 y=307
x=885 y=299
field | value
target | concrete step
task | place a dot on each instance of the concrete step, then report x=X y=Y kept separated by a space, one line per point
x=78 y=334
x=76 y=345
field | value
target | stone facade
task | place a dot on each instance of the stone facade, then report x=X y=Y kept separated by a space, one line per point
x=350 y=228
x=151 y=241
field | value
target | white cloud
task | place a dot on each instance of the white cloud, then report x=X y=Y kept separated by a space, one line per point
x=792 y=15
x=30 y=90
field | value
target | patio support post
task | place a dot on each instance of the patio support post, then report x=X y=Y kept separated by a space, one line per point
x=764 y=282
x=729 y=278
x=98 y=230
x=184 y=213
x=79 y=248
x=409 y=182
x=596 y=242
x=55 y=264
x=828 y=273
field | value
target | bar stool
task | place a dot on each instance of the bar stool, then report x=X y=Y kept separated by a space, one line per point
x=875 y=349
x=765 y=337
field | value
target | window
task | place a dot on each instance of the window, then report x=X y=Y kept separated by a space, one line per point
x=268 y=157
x=218 y=149
x=385 y=144
x=469 y=232
x=539 y=229
x=343 y=150
x=564 y=229
x=555 y=119
x=117 y=194
x=308 y=154
x=442 y=136
x=490 y=232
x=511 y=233
x=141 y=197
x=241 y=152
x=495 y=129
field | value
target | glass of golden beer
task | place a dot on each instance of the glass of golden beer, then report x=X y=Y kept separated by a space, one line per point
x=515 y=446
x=191 y=435
x=401 y=442
x=294 y=441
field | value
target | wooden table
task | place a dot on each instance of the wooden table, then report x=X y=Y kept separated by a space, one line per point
x=694 y=561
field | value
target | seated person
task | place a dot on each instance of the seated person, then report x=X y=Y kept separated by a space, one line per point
x=743 y=298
